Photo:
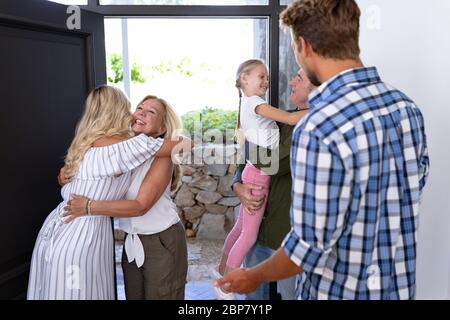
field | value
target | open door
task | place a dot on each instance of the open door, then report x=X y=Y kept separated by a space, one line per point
x=46 y=71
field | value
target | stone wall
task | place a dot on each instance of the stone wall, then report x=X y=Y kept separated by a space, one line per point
x=206 y=204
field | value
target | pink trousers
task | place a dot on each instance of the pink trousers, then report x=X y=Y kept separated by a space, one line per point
x=245 y=231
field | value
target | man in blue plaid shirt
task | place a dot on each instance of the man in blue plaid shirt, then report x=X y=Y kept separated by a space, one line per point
x=359 y=162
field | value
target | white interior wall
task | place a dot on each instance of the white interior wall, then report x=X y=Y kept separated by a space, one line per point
x=409 y=42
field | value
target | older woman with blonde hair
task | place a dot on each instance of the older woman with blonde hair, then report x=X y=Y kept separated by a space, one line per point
x=154 y=258
x=75 y=260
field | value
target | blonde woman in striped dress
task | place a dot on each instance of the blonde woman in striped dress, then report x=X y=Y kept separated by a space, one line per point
x=75 y=260
x=154 y=259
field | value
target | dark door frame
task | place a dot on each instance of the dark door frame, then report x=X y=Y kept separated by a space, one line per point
x=47 y=20
x=51 y=17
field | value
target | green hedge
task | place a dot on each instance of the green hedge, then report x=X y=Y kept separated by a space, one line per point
x=211 y=118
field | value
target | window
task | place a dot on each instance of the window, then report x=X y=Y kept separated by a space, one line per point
x=189 y=62
x=288 y=69
x=267 y=10
x=185 y=2
x=71 y=2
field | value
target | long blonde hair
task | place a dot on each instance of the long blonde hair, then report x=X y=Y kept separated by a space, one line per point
x=107 y=113
x=244 y=68
x=173 y=127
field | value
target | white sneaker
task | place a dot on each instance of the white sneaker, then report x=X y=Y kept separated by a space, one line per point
x=215 y=273
x=222 y=295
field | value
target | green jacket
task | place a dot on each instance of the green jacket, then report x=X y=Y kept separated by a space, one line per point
x=276 y=222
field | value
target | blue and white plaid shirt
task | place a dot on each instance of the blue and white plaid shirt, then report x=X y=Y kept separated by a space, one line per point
x=359 y=162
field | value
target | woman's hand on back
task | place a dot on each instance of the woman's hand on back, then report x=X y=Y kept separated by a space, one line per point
x=62 y=178
x=76 y=207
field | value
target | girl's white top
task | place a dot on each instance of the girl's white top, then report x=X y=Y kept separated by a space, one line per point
x=257 y=129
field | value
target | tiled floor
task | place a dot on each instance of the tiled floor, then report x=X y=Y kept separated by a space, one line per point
x=199 y=290
x=202 y=256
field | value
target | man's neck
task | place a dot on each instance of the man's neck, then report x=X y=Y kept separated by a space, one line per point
x=330 y=68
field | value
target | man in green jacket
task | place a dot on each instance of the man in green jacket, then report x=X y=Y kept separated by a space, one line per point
x=276 y=222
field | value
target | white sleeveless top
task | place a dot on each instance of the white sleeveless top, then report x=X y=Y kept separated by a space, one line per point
x=160 y=217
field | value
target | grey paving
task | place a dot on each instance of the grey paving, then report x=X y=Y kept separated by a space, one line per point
x=203 y=255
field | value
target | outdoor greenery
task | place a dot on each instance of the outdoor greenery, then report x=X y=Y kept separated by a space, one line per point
x=115 y=70
x=224 y=121
x=213 y=124
x=182 y=67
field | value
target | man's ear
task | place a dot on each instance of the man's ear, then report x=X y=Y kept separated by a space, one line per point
x=304 y=46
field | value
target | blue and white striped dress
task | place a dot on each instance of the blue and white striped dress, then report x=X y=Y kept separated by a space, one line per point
x=75 y=260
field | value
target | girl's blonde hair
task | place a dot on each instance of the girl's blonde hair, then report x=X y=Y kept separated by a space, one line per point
x=244 y=68
x=107 y=113
x=173 y=127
